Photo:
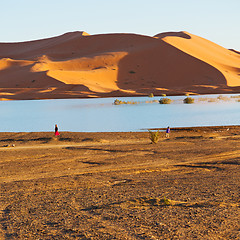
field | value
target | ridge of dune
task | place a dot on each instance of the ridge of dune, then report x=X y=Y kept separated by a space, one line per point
x=77 y=64
x=64 y=36
x=8 y=62
x=30 y=50
x=233 y=50
x=226 y=61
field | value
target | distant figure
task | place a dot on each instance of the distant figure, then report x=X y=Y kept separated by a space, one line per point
x=167 y=132
x=56 y=130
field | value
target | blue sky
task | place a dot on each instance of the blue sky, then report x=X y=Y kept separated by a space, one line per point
x=215 y=20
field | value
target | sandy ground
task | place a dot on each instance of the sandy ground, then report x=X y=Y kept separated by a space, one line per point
x=120 y=186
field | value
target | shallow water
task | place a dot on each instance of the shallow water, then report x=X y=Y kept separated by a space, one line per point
x=101 y=115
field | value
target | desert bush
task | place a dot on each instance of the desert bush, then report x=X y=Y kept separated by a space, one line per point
x=151 y=95
x=164 y=95
x=165 y=101
x=166 y=201
x=188 y=100
x=119 y=102
x=154 y=136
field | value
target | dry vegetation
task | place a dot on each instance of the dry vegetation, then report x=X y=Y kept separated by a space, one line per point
x=165 y=101
x=119 y=186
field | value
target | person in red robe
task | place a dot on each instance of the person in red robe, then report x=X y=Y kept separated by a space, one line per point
x=56 y=130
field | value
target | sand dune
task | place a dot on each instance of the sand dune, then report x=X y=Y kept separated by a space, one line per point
x=77 y=64
x=227 y=62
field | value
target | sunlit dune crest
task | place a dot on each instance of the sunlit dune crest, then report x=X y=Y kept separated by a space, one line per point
x=7 y=62
x=227 y=62
x=76 y=64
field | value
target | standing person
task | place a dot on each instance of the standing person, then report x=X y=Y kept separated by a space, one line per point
x=56 y=130
x=167 y=132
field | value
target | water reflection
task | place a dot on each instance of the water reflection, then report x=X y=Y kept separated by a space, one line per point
x=100 y=115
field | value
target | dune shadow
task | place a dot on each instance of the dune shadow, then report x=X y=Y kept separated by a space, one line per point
x=30 y=79
x=167 y=70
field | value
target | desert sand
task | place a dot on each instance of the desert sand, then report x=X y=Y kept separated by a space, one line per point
x=120 y=186
x=79 y=65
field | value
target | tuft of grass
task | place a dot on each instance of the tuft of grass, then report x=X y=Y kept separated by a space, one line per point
x=164 y=95
x=151 y=95
x=166 y=201
x=154 y=136
x=165 y=101
x=188 y=100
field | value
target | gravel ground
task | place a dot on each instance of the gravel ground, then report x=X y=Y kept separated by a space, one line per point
x=120 y=186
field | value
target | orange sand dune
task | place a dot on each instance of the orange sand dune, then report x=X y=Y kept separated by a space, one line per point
x=224 y=60
x=76 y=65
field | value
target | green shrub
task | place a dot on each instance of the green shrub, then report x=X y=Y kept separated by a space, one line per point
x=188 y=100
x=166 y=201
x=154 y=136
x=165 y=101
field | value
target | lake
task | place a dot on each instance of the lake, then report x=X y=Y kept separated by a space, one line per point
x=101 y=115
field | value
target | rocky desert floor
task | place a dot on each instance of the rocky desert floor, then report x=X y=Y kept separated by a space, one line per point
x=120 y=186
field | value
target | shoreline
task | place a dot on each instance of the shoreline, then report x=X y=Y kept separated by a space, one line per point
x=65 y=96
x=175 y=129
